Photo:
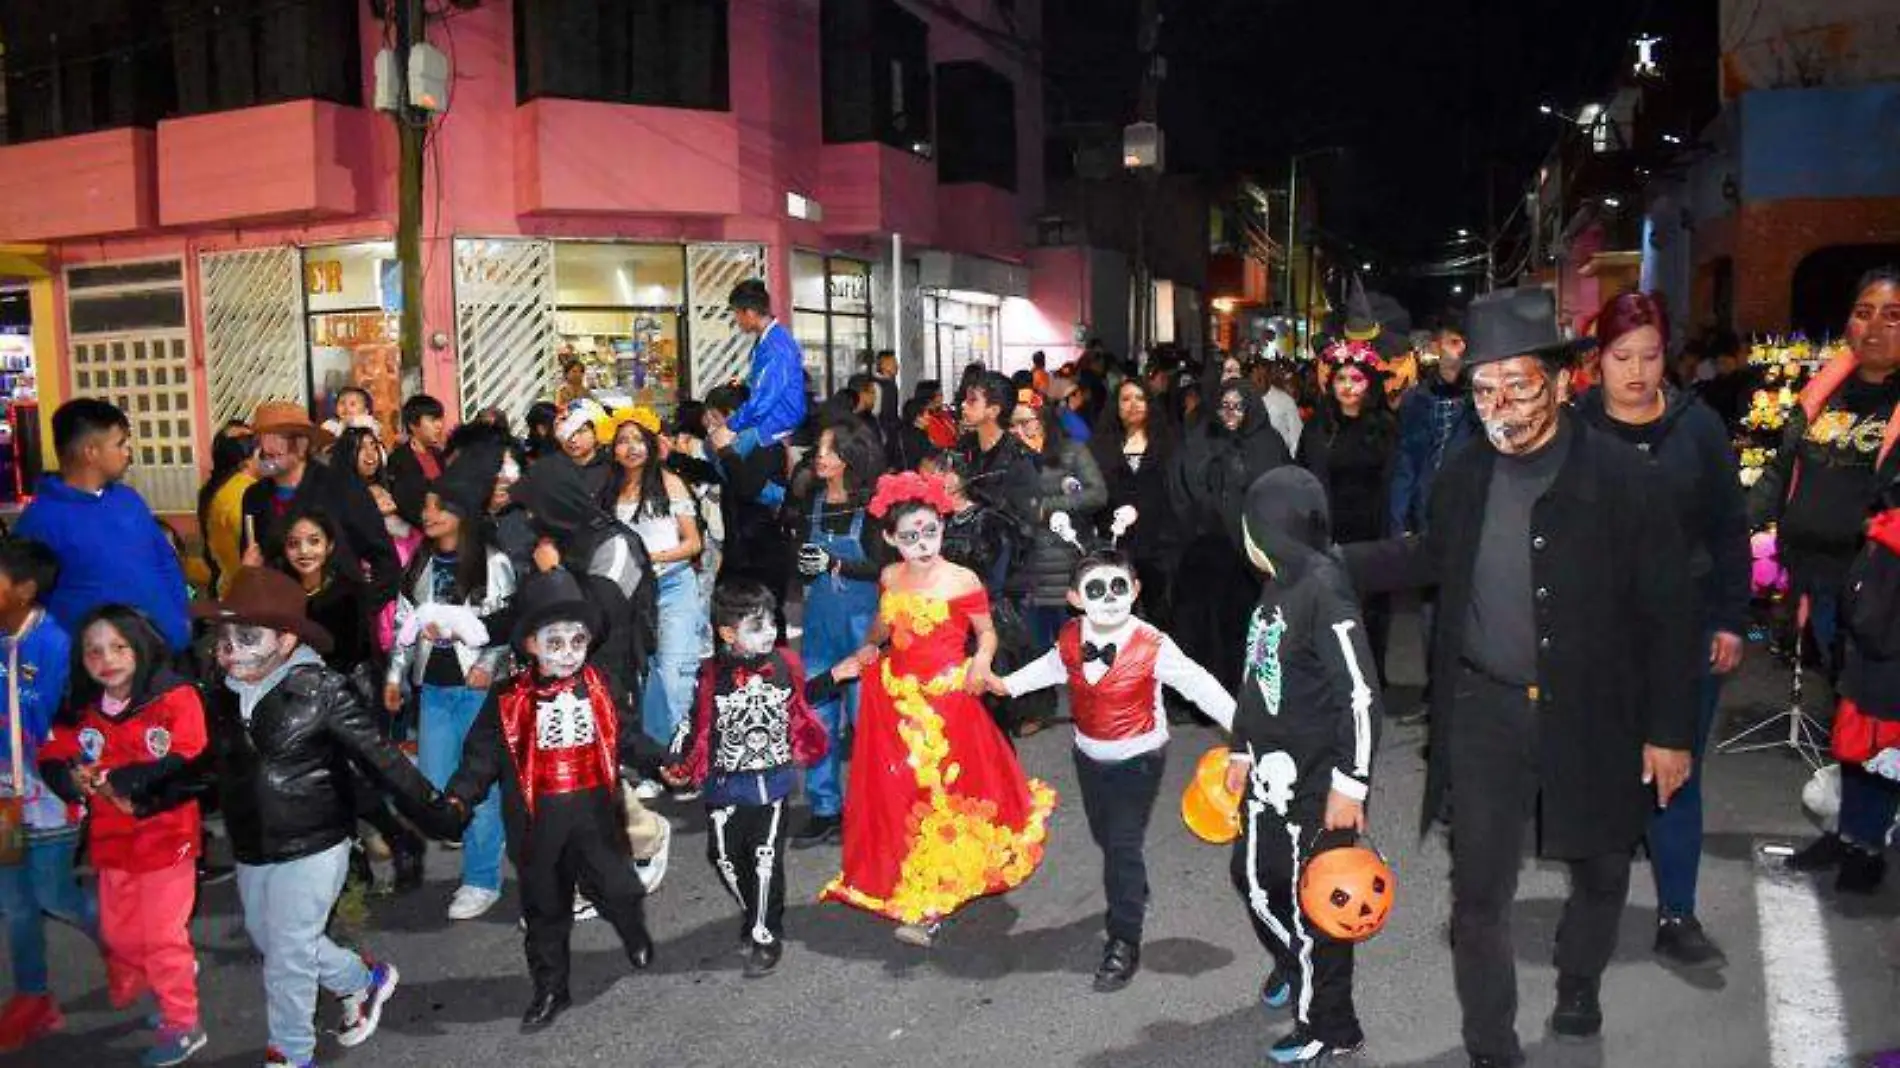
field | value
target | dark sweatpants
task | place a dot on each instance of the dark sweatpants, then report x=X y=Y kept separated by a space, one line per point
x=1118 y=798
x=1494 y=787
x=572 y=839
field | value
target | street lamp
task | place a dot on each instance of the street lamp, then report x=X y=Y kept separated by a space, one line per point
x=1671 y=139
x=1365 y=266
x=1463 y=233
x=1457 y=290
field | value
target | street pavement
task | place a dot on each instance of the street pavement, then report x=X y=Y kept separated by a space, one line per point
x=1810 y=982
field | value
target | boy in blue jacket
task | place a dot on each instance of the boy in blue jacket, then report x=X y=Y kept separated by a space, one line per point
x=110 y=547
x=775 y=401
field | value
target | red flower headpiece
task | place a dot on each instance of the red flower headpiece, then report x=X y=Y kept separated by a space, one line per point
x=1030 y=399
x=907 y=486
x=1346 y=351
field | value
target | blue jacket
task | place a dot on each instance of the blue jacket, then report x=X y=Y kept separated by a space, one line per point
x=111 y=551
x=45 y=659
x=1434 y=419
x=776 y=404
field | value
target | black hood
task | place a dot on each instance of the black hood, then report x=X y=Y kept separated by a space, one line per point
x=554 y=492
x=1286 y=521
x=1677 y=403
x=1252 y=422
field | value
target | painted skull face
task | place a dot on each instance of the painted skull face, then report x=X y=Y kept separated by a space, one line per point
x=919 y=536
x=249 y=653
x=1108 y=596
x=755 y=635
x=1517 y=401
x=561 y=648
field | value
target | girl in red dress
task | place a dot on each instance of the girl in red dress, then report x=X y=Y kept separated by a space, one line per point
x=937 y=811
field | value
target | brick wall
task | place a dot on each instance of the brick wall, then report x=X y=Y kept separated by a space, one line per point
x=1770 y=239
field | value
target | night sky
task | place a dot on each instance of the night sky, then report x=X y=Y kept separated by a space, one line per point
x=1431 y=99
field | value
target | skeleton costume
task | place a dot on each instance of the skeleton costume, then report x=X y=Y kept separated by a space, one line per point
x=1307 y=706
x=1115 y=666
x=753 y=726
x=555 y=740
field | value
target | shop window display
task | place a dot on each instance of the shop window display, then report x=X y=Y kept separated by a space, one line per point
x=353 y=294
x=618 y=309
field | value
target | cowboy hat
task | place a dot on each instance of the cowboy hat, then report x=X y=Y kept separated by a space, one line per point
x=268 y=598
x=291 y=420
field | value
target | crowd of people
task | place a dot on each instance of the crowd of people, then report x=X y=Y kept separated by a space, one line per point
x=594 y=616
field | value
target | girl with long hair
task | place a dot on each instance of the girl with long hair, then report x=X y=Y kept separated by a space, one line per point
x=1132 y=445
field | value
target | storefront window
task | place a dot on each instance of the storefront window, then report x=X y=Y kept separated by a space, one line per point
x=353 y=296
x=831 y=318
x=959 y=329
x=618 y=309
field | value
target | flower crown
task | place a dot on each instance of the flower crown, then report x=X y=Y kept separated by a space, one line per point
x=909 y=486
x=1347 y=351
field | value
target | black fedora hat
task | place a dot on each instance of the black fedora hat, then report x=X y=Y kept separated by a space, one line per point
x=1510 y=323
x=553 y=597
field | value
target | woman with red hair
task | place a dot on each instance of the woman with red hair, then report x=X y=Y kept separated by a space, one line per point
x=1687 y=443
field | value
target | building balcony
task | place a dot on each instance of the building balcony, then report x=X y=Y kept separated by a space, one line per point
x=980 y=219
x=581 y=157
x=873 y=188
x=88 y=185
x=304 y=159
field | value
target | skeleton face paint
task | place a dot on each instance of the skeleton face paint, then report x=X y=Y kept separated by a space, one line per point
x=248 y=653
x=919 y=536
x=755 y=635
x=1108 y=596
x=1516 y=400
x=561 y=648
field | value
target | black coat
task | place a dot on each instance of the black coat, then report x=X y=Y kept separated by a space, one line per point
x=1619 y=651
x=1067 y=482
x=365 y=540
x=408 y=483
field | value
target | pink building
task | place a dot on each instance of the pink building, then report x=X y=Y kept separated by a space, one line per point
x=220 y=232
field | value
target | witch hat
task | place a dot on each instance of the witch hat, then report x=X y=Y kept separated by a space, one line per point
x=1361 y=324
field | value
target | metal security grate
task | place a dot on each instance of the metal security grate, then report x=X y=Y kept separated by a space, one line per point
x=254 y=330
x=504 y=322
x=148 y=375
x=720 y=350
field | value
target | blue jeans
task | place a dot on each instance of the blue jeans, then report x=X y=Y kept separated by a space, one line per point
x=675 y=666
x=447 y=713
x=286 y=908
x=43 y=886
x=838 y=612
x=1868 y=804
x=1675 y=833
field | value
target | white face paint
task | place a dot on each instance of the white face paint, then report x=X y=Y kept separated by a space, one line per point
x=561 y=648
x=248 y=653
x=919 y=536
x=756 y=635
x=1108 y=596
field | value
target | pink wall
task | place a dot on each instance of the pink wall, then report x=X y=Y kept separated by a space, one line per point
x=306 y=158
x=99 y=183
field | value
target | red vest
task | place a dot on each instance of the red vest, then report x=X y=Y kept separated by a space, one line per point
x=1122 y=705
x=558 y=771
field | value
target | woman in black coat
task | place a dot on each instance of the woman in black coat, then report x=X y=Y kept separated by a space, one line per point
x=1133 y=445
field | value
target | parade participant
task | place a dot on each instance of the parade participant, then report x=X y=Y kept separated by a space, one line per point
x=752 y=727
x=34 y=648
x=449 y=619
x=775 y=384
x=291 y=478
x=579 y=433
x=553 y=741
x=1133 y=446
x=841 y=559
x=1114 y=666
x=354 y=408
x=1302 y=753
x=221 y=502
x=937 y=811
x=416 y=463
x=137 y=726
x=280 y=737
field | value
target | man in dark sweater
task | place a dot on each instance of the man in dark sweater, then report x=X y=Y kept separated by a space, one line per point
x=417 y=462
x=1566 y=652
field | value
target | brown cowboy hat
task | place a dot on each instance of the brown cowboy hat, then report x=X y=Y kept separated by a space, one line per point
x=291 y=420
x=265 y=597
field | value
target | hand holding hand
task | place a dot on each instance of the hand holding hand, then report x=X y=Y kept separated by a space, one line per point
x=976 y=680
x=1345 y=813
x=866 y=656
x=1667 y=769
x=675 y=776
x=847 y=669
x=392 y=698
x=1725 y=652
x=479 y=678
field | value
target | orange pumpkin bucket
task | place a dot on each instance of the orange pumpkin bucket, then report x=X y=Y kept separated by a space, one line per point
x=1207 y=807
x=1347 y=892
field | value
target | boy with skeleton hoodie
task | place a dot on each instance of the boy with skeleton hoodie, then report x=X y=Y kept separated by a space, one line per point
x=1302 y=752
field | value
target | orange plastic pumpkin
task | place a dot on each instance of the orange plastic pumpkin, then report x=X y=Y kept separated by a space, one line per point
x=1347 y=892
x=1207 y=807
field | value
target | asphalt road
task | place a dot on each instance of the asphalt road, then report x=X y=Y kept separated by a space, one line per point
x=1810 y=983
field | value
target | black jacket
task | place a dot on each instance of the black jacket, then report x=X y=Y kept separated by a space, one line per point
x=1003 y=478
x=757 y=544
x=1208 y=480
x=1689 y=447
x=1156 y=535
x=365 y=540
x=1618 y=649
x=284 y=778
x=407 y=482
x=1354 y=459
x=1070 y=483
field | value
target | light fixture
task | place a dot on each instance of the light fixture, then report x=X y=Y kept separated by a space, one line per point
x=1463 y=232
x=1365 y=266
x=1547 y=109
x=1671 y=139
x=1457 y=289
x=1612 y=202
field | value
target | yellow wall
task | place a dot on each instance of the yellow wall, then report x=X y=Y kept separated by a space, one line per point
x=46 y=363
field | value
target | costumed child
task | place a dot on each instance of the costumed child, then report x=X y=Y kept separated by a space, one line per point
x=1302 y=753
x=37 y=655
x=937 y=811
x=752 y=727
x=1115 y=666
x=554 y=741
x=138 y=723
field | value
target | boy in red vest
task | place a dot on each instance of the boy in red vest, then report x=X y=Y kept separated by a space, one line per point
x=1115 y=666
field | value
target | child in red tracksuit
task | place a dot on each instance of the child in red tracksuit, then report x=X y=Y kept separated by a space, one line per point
x=137 y=725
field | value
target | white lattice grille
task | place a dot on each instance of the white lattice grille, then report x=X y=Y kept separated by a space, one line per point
x=148 y=375
x=720 y=350
x=254 y=330
x=504 y=323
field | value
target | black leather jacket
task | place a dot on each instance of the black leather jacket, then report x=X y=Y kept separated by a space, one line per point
x=284 y=779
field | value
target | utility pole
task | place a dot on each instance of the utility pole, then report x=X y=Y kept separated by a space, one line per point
x=1292 y=224
x=1147 y=108
x=411 y=126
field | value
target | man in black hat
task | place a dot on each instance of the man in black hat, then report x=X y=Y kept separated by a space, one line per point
x=555 y=739
x=1564 y=657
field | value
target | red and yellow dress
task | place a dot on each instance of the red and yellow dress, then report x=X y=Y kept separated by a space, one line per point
x=936 y=811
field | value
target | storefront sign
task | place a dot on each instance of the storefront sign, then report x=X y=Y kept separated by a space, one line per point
x=323 y=276
x=849 y=292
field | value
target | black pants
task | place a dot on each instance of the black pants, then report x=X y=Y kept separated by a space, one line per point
x=1280 y=823
x=1494 y=782
x=572 y=839
x=746 y=844
x=1118 y=798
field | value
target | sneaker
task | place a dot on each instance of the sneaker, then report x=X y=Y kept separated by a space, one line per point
x=28 y=1018
x=1277 y=991
x=762 y=959
x=1861 y=871
x=362 y=1011
x=173 y=1046
x=1681 y=941
x=1302 y=1046
x=921 y=935
x=584 y=909
x=1578 y=1015
x=1822 y=854
x=275 y=1058
x=471 y=901
x=649 y=790
x=652 y=871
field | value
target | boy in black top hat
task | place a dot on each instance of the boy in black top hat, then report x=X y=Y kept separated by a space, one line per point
x=555 y=739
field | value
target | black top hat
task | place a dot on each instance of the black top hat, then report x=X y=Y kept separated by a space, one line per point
x=1510 y=323
x=553 y=597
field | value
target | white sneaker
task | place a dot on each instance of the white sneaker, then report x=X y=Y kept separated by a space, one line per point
x=649 y=790
x=471 y=901
x=363 y=1011
x=584 y=909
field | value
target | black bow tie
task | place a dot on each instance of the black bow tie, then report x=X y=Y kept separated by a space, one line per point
x=1104 y=653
